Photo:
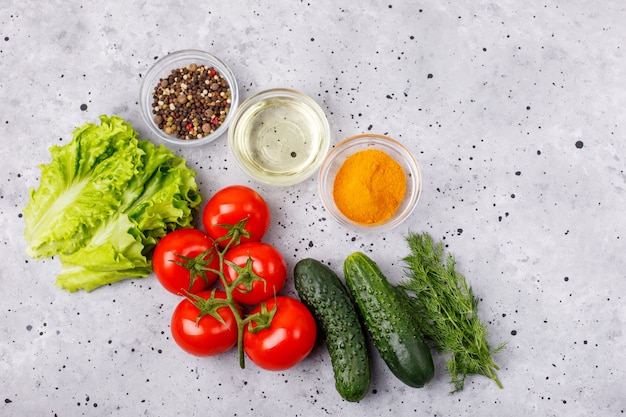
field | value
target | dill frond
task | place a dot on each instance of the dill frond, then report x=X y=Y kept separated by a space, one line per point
x=448 y=310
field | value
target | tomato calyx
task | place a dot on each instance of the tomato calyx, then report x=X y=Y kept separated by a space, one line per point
x=235 y=232
x=208 y=306
x=197 y=266
x=261 y=320
x=245 y=276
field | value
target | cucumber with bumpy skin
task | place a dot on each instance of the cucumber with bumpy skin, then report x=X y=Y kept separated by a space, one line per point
x=390 y=322
x=325 y=295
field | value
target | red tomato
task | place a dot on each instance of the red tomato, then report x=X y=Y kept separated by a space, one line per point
x=184 y=246
x=208 y=336
x=230 y=206
x=262 y=269
x=288 y=340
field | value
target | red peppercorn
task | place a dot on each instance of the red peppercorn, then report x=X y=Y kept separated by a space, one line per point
x=189 y=127
x=215 y=120
x=212 y=72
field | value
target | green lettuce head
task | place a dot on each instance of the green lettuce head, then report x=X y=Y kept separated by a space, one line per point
x=103 y=203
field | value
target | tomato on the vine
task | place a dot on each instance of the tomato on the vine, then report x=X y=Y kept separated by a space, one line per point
x=230 y=207
x=181 y=258
x=260 y=270
x=289 y=338
x=196 y=329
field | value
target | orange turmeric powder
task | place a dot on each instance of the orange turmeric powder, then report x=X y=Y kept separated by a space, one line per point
x=369 y=187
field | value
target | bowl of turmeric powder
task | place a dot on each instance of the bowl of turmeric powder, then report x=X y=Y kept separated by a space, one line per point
x=370 y=182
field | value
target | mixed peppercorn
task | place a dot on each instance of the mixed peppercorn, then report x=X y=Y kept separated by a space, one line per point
x=191 y=102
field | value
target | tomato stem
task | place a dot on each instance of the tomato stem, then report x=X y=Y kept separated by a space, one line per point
x=229 y=288
x=240 y=326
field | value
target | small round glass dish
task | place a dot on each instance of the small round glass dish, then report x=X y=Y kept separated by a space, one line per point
x=406 y=168
x=279 y=137
x=173 y=83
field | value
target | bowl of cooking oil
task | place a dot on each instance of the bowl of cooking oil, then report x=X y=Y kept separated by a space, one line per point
x=279 y=137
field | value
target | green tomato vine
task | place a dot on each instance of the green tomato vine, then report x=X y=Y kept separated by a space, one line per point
x=198 y=266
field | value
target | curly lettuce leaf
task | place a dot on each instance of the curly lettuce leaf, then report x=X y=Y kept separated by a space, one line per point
x=144 y=191
x=114 y=254
x=119 y=249
x=81 y=187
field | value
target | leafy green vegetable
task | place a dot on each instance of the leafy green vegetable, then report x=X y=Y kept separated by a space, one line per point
x=448 y=309
x=103 y=203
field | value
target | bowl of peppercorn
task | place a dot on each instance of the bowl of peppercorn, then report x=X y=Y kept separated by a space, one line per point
x=188 y=97
x=369 y=183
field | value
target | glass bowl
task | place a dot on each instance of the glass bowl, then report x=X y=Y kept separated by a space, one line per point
x=279 y=137
x=337 y=157
x=161 y=69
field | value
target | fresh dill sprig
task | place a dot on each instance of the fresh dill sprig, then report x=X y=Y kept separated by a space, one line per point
x=448 y=310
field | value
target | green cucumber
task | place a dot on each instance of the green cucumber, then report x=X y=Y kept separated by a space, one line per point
x=389 y=321
x=325 y=295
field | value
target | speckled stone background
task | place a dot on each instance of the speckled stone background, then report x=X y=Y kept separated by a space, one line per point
x=515 y=112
